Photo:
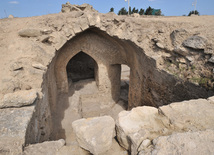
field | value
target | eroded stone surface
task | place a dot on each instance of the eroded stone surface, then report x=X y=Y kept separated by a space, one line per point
x=195 y=42
x=190 y=115
x=13 y=126
x=136 y=129
x=95 y=134
x=178 y=36
x=72 y=150
x=200 y=142
x=139 y=124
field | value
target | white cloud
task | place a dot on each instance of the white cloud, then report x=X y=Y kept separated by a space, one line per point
x=14 y=2
x=151 y=0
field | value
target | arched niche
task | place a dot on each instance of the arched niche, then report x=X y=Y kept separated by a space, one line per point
x=81 y=67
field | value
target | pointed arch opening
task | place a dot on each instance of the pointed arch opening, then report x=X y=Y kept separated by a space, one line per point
x=82 y=75
x=81 y=67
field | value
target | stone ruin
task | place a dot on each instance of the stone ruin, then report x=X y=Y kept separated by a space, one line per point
x=81 y=82
x=68 y=7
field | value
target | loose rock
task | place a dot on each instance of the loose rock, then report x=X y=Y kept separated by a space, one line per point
x=39 y=66
x=161 y=46
x=30 y=33
x=195 y=42
x=181 y=51
x=16 y=66
x=46 y=31
x=178 y=36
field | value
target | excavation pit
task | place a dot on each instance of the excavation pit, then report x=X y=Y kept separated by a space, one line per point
x=87 y=81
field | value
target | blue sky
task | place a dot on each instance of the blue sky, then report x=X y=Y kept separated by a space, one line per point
x=28 y=8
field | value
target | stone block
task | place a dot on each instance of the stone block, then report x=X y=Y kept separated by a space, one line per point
x=95 y=134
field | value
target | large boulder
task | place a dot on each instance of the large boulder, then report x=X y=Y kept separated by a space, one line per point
x=45 y=148
x=195 y=42
x=95 y=134
x=200 y=142
x=139 y=124
x=19 y=98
